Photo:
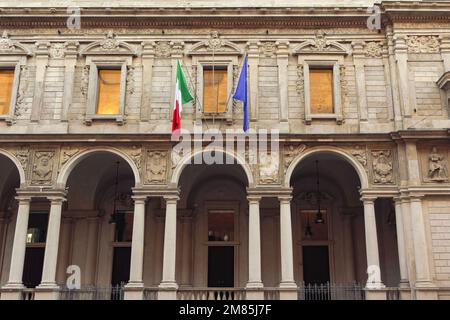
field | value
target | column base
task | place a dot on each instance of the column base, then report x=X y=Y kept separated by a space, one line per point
x=288 y=291
x=167 y=291
x=12 y=291
x=133 y=291
x=426 y=291
x=376 y=293
x=254 y=291
x=47 y=291
x=405 y=294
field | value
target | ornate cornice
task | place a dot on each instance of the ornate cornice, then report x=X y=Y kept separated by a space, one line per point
x=226 y=18
x=164 y=22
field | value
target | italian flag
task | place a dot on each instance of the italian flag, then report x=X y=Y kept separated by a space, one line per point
x=182 y=96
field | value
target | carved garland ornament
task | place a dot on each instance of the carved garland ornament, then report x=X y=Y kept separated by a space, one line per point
x=423 y=44
x=373 y=50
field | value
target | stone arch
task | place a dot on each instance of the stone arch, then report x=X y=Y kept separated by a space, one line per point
x=67 y=169
x=362 y=174
x=17 y=163
x=186 y=160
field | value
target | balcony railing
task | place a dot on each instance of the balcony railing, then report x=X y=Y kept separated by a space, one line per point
x=93 y=293
x=331 y=291
x=211 y=294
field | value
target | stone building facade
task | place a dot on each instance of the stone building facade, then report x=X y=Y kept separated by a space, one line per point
x=375 y=165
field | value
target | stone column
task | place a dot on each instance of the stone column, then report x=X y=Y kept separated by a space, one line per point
x=69 y=77
x=401 y=56
x=12 y=290
x=404 y=279
x=41 y=68
x=135 y=287
x=253 y=71
x=288 y=287
x=445 y=52
x=48 y=289
x=148 y=58
x=187 y=249
x=254 y=285
x=394 y=80
x=168 y=286
x=65 y=250
x=282 y=63
x=423 y=272
x=360 y=73
x=373 y=260
x=91 y=251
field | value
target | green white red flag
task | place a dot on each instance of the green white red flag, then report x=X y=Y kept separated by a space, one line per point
x=182 y=96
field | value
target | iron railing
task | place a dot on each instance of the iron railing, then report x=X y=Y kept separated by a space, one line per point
x=93 y=293
x=211 y=294
x=331 y=291
x=392 y=293
x=28 y=294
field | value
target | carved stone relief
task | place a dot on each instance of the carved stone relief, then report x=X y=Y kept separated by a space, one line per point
x=84 y=80
x=22 y=155
x=21 y=106
x=268 y=49
x=382 y=165
x=269 y=165
x=437 y=167
x=66 y=154
x=373 y=50
x=423 y=44
x=300 y=83
x=135 y=153
x=156 y=167
x=291 y=152
x=130 y=79
x=57 y=50
x=360 y=154
x=42 y=168
x=163 y=49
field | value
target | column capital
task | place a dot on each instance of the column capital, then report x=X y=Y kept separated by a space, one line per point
x=254 y=198
x=416 y=197
x=284 y=198
x=56 y=199
x=139 y=198
x=368 y=199
x=170 y=198
x=23 y=199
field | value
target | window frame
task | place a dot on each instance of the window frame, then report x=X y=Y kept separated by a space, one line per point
x=96 y=64
x=15 y=65
x=337 y=98
x=227 y=62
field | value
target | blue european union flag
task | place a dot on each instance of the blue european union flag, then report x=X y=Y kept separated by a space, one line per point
x=241 y=93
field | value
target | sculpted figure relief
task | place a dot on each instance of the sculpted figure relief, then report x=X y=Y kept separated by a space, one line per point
x=437 y=170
